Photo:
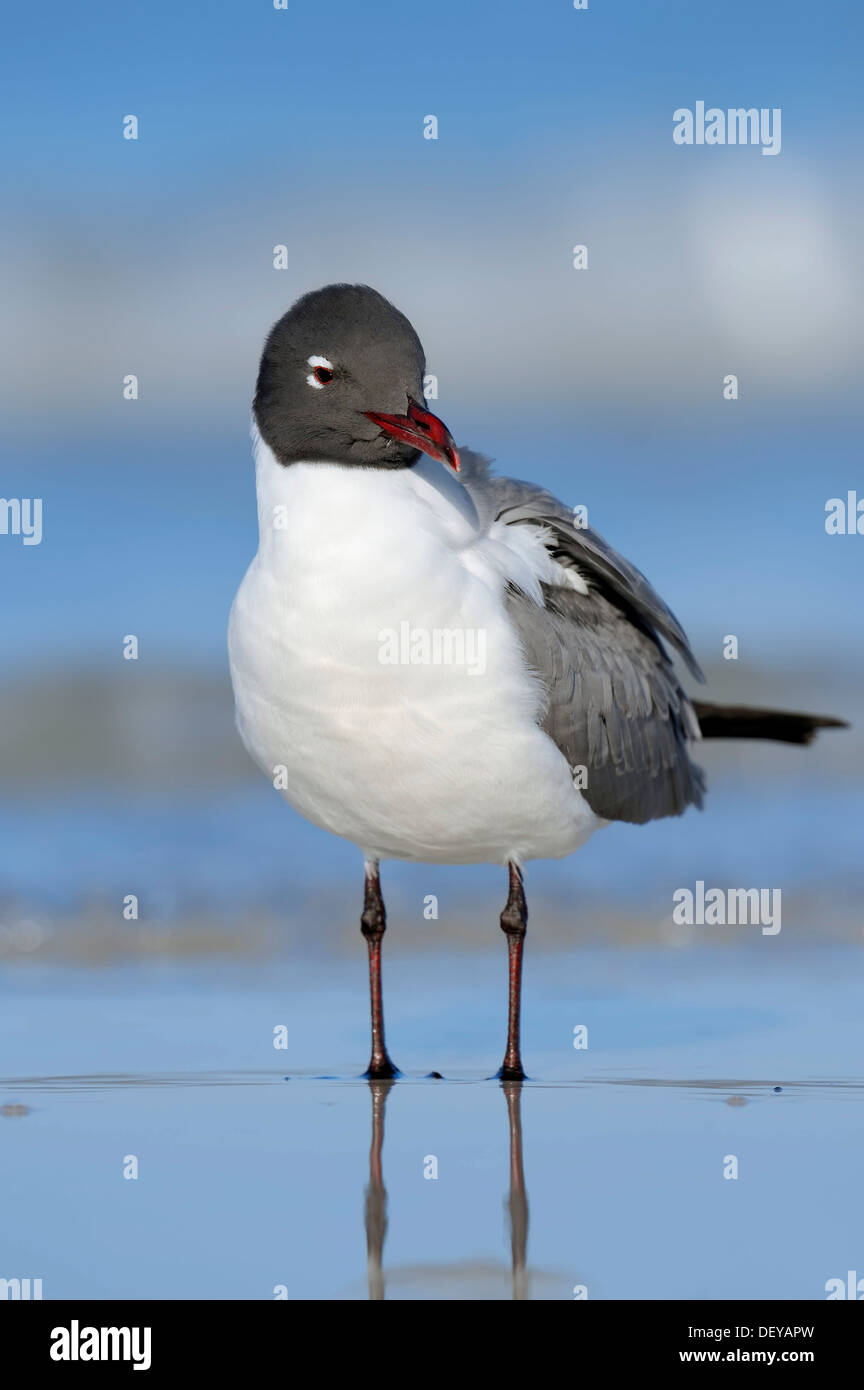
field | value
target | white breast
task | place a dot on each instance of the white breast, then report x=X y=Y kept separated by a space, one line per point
x=377 y=678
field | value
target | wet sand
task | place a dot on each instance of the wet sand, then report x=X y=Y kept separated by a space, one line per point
x=603 y=1174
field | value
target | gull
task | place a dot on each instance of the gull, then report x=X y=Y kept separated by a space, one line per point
x=435 y=663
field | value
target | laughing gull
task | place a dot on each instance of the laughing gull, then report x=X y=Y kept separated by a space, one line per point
x=436 y=663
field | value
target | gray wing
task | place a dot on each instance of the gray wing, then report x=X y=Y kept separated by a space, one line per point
x=614 y=705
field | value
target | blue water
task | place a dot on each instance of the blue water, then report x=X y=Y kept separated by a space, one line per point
x=249 y=1183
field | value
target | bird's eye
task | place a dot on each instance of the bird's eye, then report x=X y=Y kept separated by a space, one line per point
x=322 y=371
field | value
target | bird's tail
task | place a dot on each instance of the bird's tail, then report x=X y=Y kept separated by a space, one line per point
x=741 y=721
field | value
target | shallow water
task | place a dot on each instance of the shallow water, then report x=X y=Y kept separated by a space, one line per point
x=605 y=1171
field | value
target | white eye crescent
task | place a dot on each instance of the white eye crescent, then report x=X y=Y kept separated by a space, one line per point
x=322 y=371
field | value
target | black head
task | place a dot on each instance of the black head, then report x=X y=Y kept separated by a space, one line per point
x=341 y=381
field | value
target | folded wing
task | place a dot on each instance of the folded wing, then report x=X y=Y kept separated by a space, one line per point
x=614 y=706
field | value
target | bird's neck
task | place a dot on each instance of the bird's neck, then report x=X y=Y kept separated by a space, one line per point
x=355 y=511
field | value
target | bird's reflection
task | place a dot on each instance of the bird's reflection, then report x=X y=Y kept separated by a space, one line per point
x=516 y=1201
x=376 y=1192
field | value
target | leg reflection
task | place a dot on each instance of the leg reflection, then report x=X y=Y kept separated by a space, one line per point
x=376 y=1193
x=517 y=1201
x=464 y=1277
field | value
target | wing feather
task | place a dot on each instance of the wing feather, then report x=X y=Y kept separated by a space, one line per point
x=613 y=702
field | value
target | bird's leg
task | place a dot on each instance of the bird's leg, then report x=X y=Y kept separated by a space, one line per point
x=514 y=920
x=373 y=924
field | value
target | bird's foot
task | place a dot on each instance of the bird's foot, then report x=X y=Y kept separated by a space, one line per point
x=508 y=1072
x=381 y=1070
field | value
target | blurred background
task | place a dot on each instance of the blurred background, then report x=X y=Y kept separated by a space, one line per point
x=153 y=1035
x=261 y=127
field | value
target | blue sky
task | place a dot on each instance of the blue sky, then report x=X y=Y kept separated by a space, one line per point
x=346 y=80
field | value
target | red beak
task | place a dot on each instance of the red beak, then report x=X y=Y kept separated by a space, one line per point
x=421 y=429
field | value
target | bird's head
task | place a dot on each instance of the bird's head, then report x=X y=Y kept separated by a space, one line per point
x=341 y=381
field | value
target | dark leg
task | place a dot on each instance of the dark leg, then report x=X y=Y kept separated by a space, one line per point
x=514 y=920
x=373 y=924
